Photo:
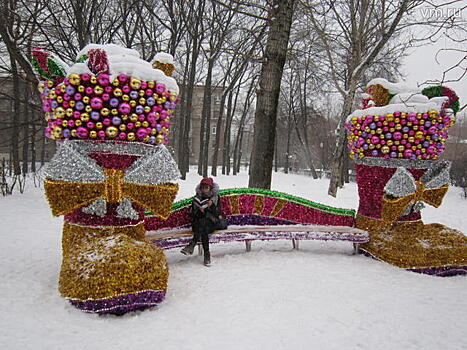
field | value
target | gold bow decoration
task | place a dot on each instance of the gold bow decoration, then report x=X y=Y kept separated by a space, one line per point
x=75 y=181
x=404 y=194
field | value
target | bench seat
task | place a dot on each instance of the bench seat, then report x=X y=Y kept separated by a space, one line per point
x=170 y=239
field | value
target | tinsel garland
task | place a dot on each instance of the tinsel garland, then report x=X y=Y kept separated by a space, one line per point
x=167 y=68
x=82 y=58
x=241 y=205
x=379 y=96
x=55 y=70
x=439 y=90
x=103 y=262
x=98 y=62
x=122 y=303
x=371 y=181
x=47 y=66
x=399 y=237
x=272 y=194
x=413 y=244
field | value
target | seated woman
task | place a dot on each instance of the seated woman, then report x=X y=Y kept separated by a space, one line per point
x=207 y=214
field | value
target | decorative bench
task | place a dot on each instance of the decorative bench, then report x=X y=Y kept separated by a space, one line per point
x=256 y=214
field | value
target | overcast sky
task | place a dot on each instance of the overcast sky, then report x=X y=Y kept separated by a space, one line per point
x=421 y=65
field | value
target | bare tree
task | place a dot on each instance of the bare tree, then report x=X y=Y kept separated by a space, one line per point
x=280 y=17
x=219 y=24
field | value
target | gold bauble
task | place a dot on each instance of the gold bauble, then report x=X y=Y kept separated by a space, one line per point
x=111 y=131
x=74 y=79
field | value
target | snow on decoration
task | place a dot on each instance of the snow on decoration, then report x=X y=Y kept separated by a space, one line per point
x=405 y=125
x=110 y=114
x=109 y=94
x=395 y=143
x=452 y=100
x=164 y=62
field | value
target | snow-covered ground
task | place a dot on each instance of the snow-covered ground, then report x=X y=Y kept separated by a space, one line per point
x=320 y=297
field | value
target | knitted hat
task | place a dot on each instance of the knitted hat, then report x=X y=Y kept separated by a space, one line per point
x=207 y=181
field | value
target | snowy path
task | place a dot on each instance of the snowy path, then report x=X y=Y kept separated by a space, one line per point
x=320 y=297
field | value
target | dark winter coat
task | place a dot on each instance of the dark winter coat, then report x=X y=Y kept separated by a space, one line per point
x=209 y=219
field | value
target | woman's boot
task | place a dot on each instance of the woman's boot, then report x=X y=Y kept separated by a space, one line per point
x=207 y=258
x=188 y=249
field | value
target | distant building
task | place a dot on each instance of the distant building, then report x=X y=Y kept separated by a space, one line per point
x=194 y=141
x=44 y=148
x=456 y=145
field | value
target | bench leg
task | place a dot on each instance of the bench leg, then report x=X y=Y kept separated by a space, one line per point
x=200 y=249
x=295 y=244
x=356 y=249
x=248 y=246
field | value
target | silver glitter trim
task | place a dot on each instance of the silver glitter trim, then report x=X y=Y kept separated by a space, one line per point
x=402 y=183
x=437 y=175
x=98 y=208
x=117 y=147
x=126 y=210
x=395 y=162
x=155 y=169
x=68 y=164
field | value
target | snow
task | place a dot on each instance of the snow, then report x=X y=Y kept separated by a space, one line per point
x=407 y=107
x=393 y=88
x=127 y=61
x=164 y=57
x=111 y=49
x=320 y=297
x=407 y=99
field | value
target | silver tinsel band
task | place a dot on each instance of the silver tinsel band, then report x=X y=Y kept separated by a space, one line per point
x=154 y=169
x=126 y=210
x=71 y=163
x=115 y=147
x=68 y=164
x=395 y=162
x=98 y=208
x=402 y=183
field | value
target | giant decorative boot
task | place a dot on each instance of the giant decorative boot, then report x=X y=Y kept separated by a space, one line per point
x=396 y=145
x=111 y=165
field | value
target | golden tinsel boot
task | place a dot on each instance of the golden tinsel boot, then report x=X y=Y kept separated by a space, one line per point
x=108 y=266
x=389 y=208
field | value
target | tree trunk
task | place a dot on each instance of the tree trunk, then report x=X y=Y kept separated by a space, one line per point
x=338 y=156
x=26 y=121
x=280 y=15
x=225 y=156
x=204 y=133
x=228 y=126
x=240 y=153
x=208 y=102
x=345 y=168
x=218 y=136
x=15 y=118
x=33 y=146
x=42 y=155
x=275 y=155
x=184 y=160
